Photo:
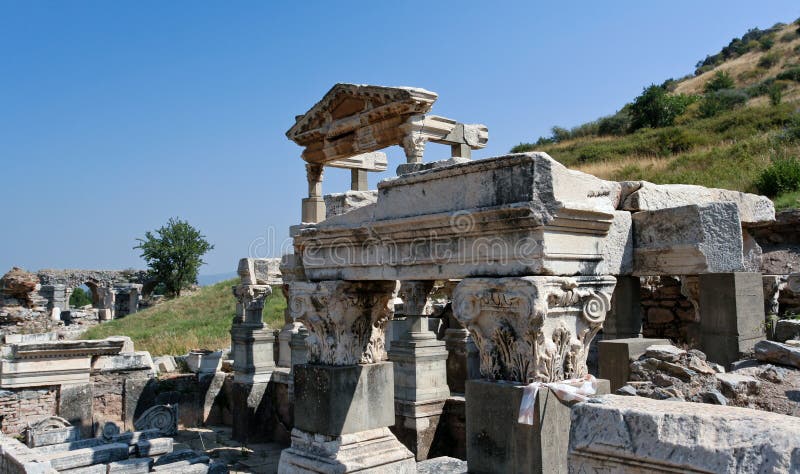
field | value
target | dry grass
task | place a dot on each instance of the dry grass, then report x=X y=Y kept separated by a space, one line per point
x=610 y=169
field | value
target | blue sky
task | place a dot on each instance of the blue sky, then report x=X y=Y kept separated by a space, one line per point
x=115 y=116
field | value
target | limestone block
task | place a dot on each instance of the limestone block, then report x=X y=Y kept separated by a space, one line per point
x=105 y=453
x=641 y=435
x=131 y=466
x=165 y=364
x=615 y=356
x=341 y=203
x=645 y=196
x=124 y=362
x=260 y=271
x=68 y=446
x=515 y=215
x=688 y=240
x=618 y=246
x=154 y=447
x=777 y=353
x=17 y=373
x=786 y=329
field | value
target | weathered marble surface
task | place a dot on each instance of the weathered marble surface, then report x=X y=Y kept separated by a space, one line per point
x=533 y=328
x=641 y=435
x=688 y=240
x=645 y=196
x=516 y=215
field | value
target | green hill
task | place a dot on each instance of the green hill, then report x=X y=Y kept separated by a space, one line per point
x=201 y=320
x=733 y=124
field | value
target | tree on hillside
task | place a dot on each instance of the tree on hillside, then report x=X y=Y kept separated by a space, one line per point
x=721 y=80
x=657 y=108
x=174 y=254
x=80 y=298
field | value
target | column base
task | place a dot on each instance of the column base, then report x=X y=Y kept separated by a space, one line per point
x=416 y=424
x=497 y=443
x=372 y=451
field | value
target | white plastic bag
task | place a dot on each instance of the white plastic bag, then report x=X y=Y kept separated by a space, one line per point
x=566 y=390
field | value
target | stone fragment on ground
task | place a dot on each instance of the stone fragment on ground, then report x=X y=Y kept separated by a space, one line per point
x=777 y=353
x=786 y=329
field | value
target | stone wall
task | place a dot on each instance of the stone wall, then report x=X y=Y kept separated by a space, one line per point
x=20 y=407
x=666 y=311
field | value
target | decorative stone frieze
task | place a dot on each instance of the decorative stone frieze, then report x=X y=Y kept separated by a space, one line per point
x=533 y=328
x=346 y=321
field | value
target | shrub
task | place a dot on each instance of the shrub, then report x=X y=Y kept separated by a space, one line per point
x=766 y=42
x=768 y=60
x=524 y=147
x=674 y=140
x=782 y=176
x=788 y=37
x=656 y=108
x=560 y=134
x=721 y=80
x=720 y=101
x=80 y=298
x=775 y=94
x=792 y=74
x=617 y=124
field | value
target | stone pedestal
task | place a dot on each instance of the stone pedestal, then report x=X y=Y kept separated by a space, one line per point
x=625 y=318
x=616 y=355
x=496 y=443
x=731 y=315
x=344 y=396
x=284 y=343
x=420 y=371
x=341 y=420
x=463 y=360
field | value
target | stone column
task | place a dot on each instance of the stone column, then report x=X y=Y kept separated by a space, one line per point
x=344 y=396
x=314 y=204
x=358 y=180
x=526 y=329
x=420 y=382
x=289 y=329
x=625 y=318
x=731 y=315
x=253 y=359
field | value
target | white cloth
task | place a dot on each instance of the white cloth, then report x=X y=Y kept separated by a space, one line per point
x=565 y=390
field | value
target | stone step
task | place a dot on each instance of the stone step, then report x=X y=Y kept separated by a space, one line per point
x=87 y=456
x=131 y=466
x=94 y=469
x=71 y=446
x=154 y=447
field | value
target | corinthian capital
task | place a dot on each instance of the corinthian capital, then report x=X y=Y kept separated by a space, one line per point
x=533 y=328
x=250 y=302
x=346 y=321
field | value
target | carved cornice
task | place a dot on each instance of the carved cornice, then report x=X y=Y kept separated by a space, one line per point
x=533 y=328
x=346 y=321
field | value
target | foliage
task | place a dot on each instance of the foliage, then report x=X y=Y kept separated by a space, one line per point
x=715 y=102
x=782 y=176
x=174 y=254
x=655 y=107
x=787 y=201
x=792 y=74
x=200 y=320
x=721 y=80
x=770 y=59
x=737 y=47
x=775 y=93
x=80 y=298
x=766 y=42
x=617 y=124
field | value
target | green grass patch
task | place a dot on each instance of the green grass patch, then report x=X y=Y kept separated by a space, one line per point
x=201 y=320
x=787 y=201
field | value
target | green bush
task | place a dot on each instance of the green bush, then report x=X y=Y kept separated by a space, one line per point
x=766 y=42
x=675 y=140
x=782 y=176
x=788 y=37
x=523 y=147
x=768 y=60
x=617 y=124
x=721 y=80
x=80 y=298
x=656 y=108
x=715 y=102
x=775 y=94
x=792 y=74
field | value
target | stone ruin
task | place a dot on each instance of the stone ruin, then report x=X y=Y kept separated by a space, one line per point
x=488 y=275
x=39 y=302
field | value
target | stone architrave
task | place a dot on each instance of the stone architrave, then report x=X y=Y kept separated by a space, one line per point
x=346 y=321
x=534 y=328
x=515 y=215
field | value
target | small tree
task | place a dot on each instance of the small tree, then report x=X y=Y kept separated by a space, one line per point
x=657 y=108
x=174 y=254
x=721 y=80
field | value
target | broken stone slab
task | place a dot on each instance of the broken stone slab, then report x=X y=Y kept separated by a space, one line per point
x=131 y=466
x=24 y=338
x=341 y=203
x=154 y=447
x=123 y=362
x=786 y=329
x=37 y=438
x=133 y=437
x=16 y=457
x=645 y=196
x=777 y=353
x=618 y=246
x=77 y=348
x=260 y=271
x=637 y=434
x=182 y=465
x=70 y=446
x=736 y=385
x=165 y=364
x=688 y=240
x=93 y=469
x=102 y=454
x=442 y=465
x=664 y=352
x=175 y=456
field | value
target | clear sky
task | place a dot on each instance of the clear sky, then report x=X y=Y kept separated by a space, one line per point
x=115 y=116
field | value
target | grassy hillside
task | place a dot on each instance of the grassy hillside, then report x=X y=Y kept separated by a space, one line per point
x=734 y=124
x=201 y=320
